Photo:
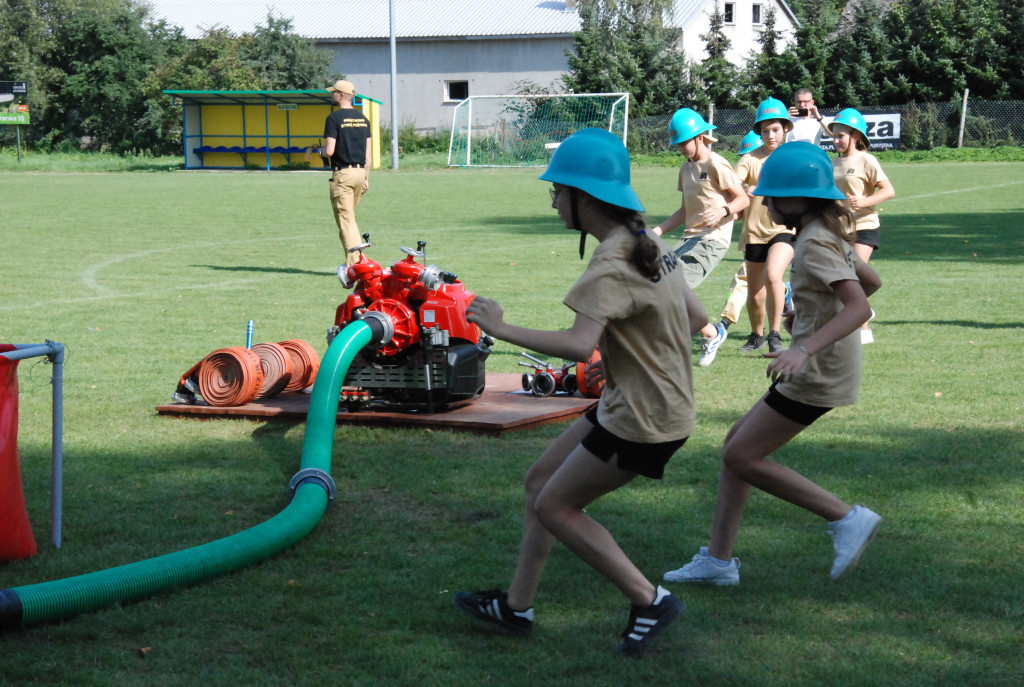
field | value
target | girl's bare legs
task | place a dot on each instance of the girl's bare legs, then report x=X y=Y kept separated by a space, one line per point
x=758 y=434
x=565 y=480
x=779 y=257
x=536 y=543
x=864 y=253
x=755 y=296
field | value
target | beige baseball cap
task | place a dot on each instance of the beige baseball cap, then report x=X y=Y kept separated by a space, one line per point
x=343 y=86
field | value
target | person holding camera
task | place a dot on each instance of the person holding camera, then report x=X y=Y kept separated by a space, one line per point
x=808 y=124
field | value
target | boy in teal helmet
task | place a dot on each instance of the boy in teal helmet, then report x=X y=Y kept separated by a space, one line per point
x=627 y=303
x=819 y=371
x=712 y=197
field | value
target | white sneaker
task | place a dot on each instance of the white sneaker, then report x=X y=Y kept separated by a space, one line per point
x=705 y=571
x=866 y=337
x=709 y=347
x=851 y=536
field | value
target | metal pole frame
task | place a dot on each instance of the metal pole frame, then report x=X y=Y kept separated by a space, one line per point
x=55 y=352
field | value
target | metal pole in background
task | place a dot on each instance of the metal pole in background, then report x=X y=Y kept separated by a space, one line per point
x=963 y=119
x=394 y=89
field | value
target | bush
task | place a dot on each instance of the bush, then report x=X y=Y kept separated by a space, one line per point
x=411 y=141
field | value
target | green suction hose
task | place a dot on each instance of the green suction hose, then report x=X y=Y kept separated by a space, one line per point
x=313 y=487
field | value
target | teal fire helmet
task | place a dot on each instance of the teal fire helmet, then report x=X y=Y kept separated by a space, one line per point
x=750 y=143
x=596 y=162
x=772 y=108
x=853 y=119
x=686 y=124
x=797 y=170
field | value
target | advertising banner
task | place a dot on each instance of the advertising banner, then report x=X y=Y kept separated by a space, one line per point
x=13 y=102
x=883 y=130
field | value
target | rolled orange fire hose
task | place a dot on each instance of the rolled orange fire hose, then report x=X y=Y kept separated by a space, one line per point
x=305 y=364
x=276 y=364
x=230 y=376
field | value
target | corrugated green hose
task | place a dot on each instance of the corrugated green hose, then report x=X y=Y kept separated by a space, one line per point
x=313 y=486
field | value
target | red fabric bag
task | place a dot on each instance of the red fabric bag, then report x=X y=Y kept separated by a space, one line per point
x=16 y=540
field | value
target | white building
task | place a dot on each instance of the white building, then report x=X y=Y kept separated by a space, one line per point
x=449 y=49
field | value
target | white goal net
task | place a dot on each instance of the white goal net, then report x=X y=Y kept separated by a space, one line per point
x=523 y=130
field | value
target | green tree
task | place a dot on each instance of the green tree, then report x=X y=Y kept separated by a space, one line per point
x=926 y=52
x=766 y=72
x=1011 y=70
x=717 y=76
x=283 y=59
x=97 y=60
x=626 y=46
x=861 y=67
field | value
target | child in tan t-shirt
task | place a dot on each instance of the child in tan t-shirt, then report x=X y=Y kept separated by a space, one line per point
x=712 y=197
x=633 y=303
x=819 y=371
x=861 y=179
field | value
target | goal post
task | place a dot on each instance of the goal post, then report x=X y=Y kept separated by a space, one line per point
x=523 y=130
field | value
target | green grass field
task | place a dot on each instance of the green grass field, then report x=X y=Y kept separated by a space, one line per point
x=142 y=274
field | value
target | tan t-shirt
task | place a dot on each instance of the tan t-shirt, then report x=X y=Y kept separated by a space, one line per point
x=832 y=375
x=758 y=226
x=702 y=183
x=646 y=344
x=859 y=175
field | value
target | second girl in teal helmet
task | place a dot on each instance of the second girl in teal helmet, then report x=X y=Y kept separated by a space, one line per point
x=861 y=179
x=767 y=245
x=712 y=196
x=633 y=303
x=819 y=371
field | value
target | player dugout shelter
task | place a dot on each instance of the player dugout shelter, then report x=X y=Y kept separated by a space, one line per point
x=261 y=129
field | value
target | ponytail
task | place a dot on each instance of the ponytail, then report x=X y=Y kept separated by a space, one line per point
x=646 y=252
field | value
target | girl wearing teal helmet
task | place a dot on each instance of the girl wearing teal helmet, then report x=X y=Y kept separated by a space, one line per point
x=712 y=196
x=819 y=371
x=767 y=244
x=627 y=303
x=861 y=179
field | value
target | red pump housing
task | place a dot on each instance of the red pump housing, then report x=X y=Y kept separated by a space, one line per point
x=435 y=357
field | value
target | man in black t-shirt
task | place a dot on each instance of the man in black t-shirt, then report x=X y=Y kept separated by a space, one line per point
x=347 y=133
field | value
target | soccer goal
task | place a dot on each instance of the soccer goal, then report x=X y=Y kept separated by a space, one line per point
x=523 y=130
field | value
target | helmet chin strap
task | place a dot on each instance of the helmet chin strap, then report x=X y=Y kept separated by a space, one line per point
x=575 y=210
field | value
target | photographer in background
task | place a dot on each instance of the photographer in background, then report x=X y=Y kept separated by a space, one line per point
x=807 y=121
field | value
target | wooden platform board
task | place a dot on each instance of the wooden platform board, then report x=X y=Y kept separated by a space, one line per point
x=503 y=407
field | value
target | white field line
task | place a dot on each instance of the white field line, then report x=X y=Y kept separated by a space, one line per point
x=955 y=190
x=103 y=292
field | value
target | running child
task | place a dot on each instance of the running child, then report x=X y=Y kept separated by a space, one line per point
x=712 y=196
x=738 y=287
x=628 y=302
x=769 y=245
x=861 y=179
x=819 y=371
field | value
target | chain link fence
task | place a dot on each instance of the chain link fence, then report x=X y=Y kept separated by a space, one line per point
x=923 y=126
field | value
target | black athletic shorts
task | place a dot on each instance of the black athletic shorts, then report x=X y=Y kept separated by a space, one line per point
x=648 y=460
x=758 y=252
x=869 y=237
x=800 y=413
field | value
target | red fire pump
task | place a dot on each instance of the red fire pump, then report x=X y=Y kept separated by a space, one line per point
x=435 y=359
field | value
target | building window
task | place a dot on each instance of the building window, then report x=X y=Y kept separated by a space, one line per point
x=730 y=12
x=756 y=14
x=456 y=90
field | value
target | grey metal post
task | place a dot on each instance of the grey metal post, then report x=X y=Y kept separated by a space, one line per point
x=394 y=89
x=963 y=119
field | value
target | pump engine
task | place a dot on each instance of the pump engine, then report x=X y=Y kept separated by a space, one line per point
x=435 y=358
